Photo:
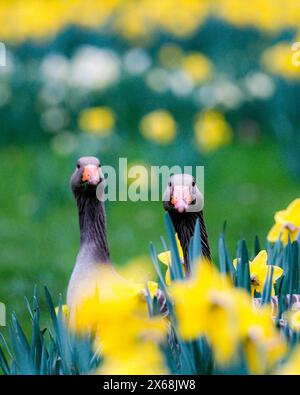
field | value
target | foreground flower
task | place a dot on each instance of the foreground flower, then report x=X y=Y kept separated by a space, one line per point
x=125 y=336
x=259 y=270
x=263 y=345
x=97 y=120
x=158 y=126
x=146 y=359
x=292 y=366
x=208 y=305
x=287 y=223
x=293 y=319
x=166 y=259
x=212 y=131
x=204 y=307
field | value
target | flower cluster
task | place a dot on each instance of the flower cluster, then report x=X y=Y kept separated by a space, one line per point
x=138 y=20
x=287 y=223
x=208 y=305
x=211 y=321
x=125 y=336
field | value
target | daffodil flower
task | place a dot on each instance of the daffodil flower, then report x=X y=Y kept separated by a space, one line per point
x=212 y=131
x=287 y=223
x=152 y=288
x=159 y=126
x=263 y=345
x=259 y=270
x=208 y=305
x=166 y=258
x=293 y=319
x=124 y=333
x=292 y=365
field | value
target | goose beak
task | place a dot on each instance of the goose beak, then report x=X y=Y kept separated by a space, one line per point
x=92 y=175
x=181 y=198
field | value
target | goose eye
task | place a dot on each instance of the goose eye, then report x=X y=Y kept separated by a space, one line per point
x=169 y=184
x=193 y=183
x=78 y=166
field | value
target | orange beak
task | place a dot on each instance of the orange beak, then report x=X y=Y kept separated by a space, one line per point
x=91 y=175
x=181 y=198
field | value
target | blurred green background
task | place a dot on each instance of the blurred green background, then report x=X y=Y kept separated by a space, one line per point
x=212 y=83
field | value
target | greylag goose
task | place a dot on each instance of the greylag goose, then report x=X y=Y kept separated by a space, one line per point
x=94 y=251
x=184 y=203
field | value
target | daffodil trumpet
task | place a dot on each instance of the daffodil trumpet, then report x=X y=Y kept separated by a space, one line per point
x=287 y=224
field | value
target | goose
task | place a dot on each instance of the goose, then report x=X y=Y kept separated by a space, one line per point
x=184 y=202
x=94 y=250
x=93 y=258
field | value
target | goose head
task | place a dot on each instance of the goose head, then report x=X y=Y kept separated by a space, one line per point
x=87 y=175
x=182 y=195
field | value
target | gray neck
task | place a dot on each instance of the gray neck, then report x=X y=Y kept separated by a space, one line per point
x=92 y=223
x=184 y=224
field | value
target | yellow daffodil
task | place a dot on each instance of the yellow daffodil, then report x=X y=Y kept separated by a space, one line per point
x=137 y=21
x=208 y=305
x=146 y=359
x=126 y=336
x=259 y=270
x=191 y=299
x=262 y=343
x=159 y=126
x=110 y=292
x=278 y=60
x=97 y=120
x=293 y=319
x=287 y=223
x=212 y=131
x=138 y=269
x=166 y=258
x=197 y=67
x=205 y=306
x=152 y=287
x=292 y=366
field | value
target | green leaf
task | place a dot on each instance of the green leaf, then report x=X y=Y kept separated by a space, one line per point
x=176 y=267
x=268 y=285
x=243 y=271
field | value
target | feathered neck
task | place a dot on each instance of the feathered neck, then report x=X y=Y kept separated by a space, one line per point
x=184 y=224
x=92 y=223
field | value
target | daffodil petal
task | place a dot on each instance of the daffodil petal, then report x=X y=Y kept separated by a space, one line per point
x=153 y=288
x=258 y=262
x=274 y=233
x=168 y=276
x=277 y=272
x=180 y=250
x=165 y=257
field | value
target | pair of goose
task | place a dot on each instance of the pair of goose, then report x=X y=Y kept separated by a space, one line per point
x=93 y=254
